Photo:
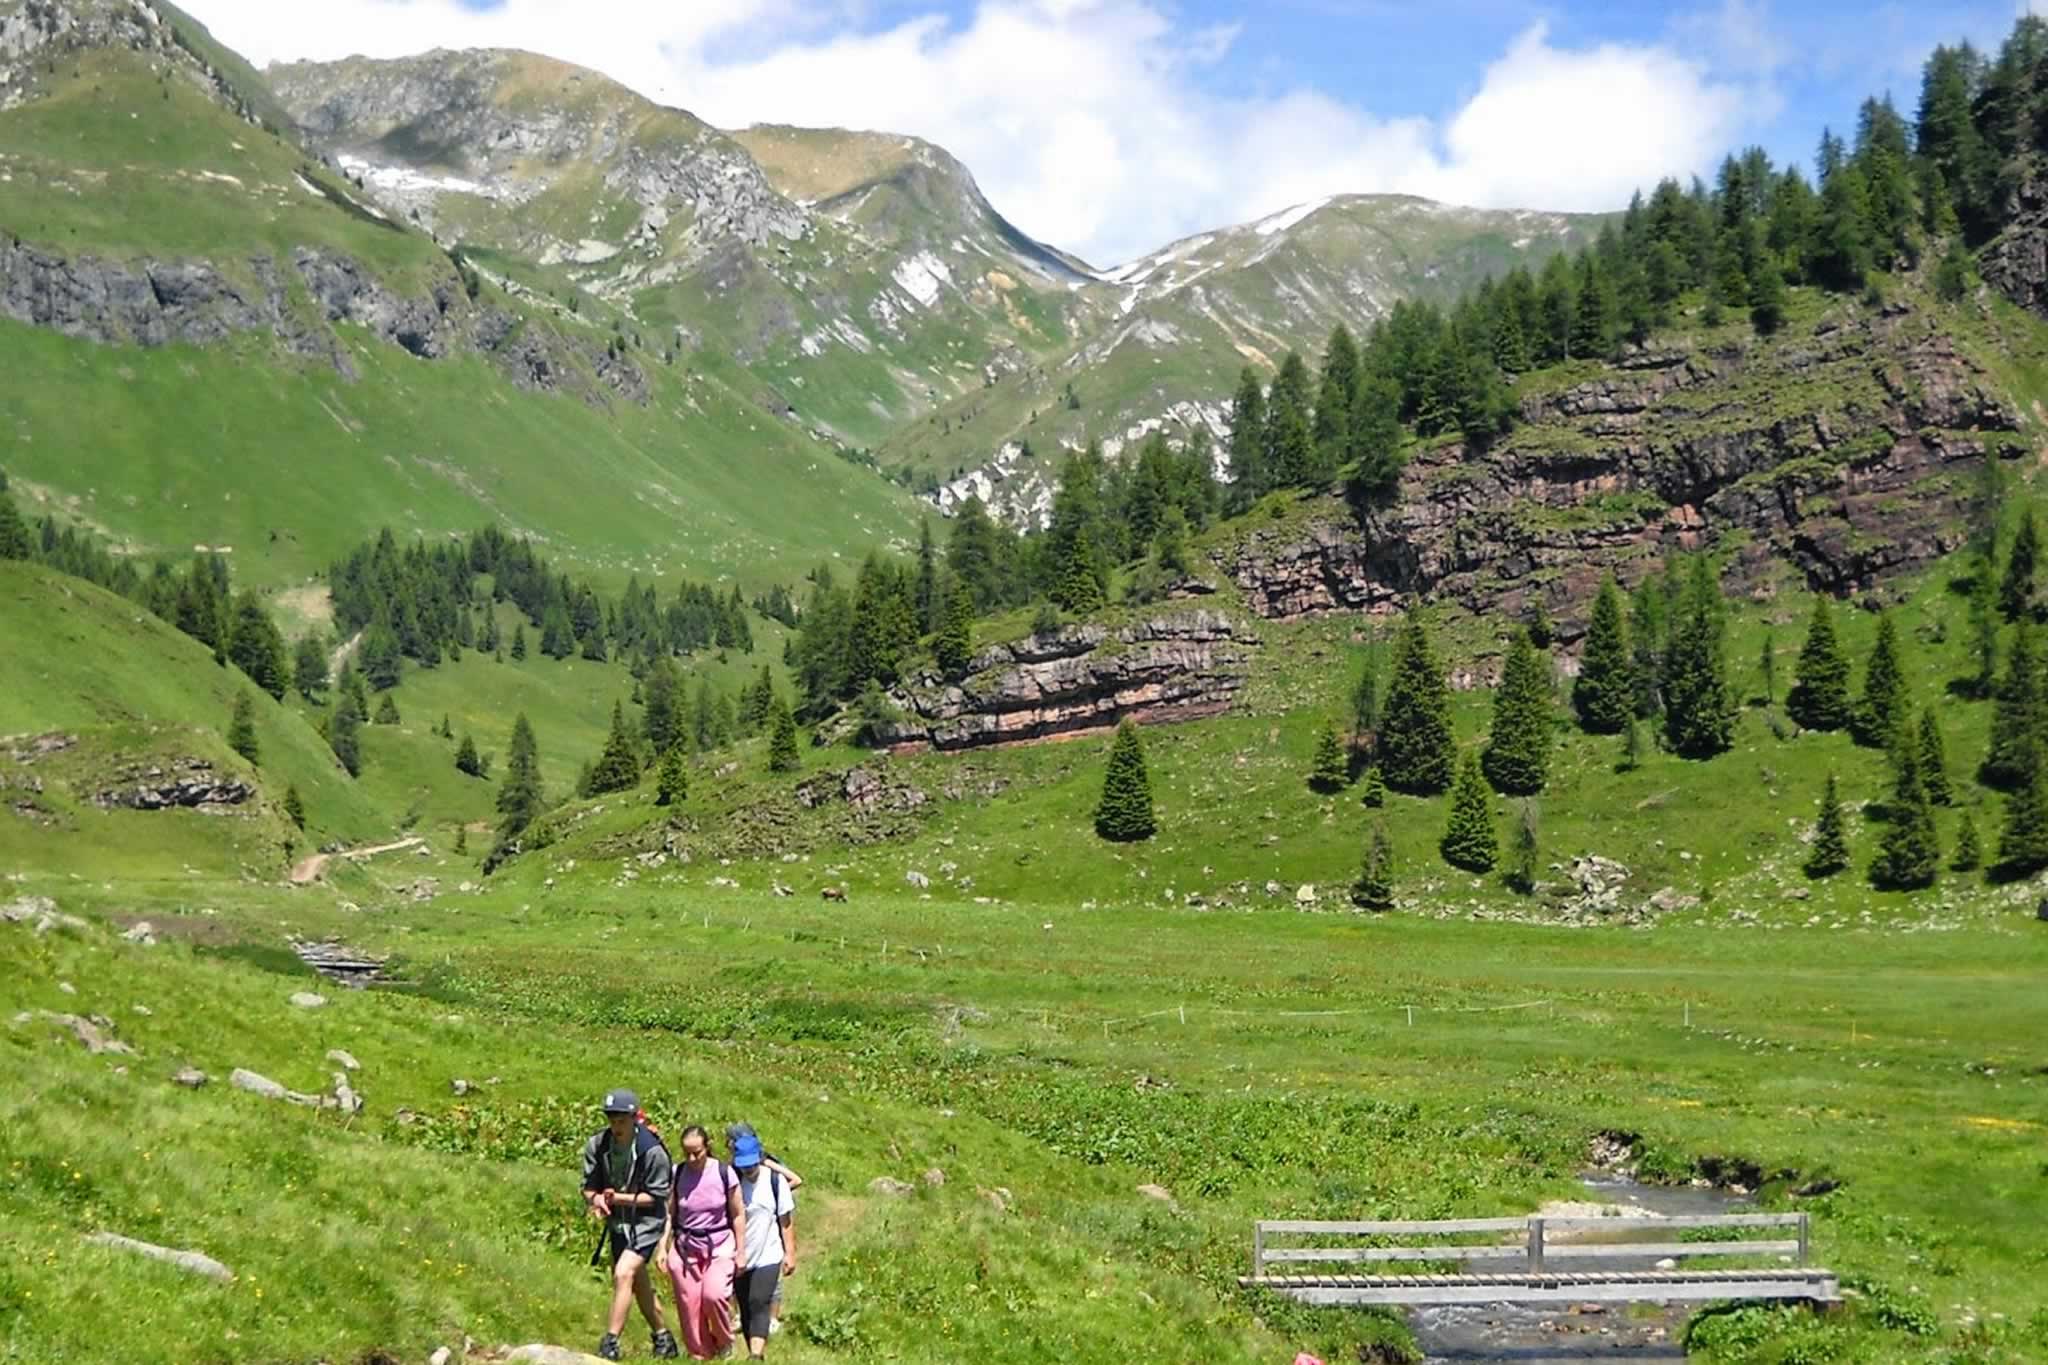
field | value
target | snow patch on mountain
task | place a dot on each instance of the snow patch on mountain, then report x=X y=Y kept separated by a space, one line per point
x=922 y=277
x=1287 y=218
x=406 y=180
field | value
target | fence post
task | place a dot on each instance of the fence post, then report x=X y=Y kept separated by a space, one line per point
x=1805 y=1238
x=1258 y=1250
x=1535 y=1246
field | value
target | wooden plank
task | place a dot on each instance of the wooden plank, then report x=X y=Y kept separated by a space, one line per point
x=1767 y=1289
x=1384 y=1229
x=1657 y=1251
x=1690 y=1220
x=1600 y=1277
x=1275 y=1255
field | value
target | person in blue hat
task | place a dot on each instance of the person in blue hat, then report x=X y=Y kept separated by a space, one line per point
x=770 y=1162
x=627 y=1175
x=768 y=1251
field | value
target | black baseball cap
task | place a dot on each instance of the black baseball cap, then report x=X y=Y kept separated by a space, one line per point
x=621 y=1102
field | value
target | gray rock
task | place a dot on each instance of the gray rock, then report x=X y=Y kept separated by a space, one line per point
x=441 y=1356
x=255 y=1084
x=893 y=1188
x=934 y=1178
x=1158 y=1192
x=343 y=1060
x=191 y=1077
x=307 y=1000
x=459 y=1086
x=198 y=1263
x=95 y=1033
x=918 y=880
x=142 y=932
x=39 y=913
x=538 y=1354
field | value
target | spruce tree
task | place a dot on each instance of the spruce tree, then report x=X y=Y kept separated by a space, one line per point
x=467 y=761
x=1469 y=840
x=1909 y=857
x=1330 y=771
x=2016 y=592
x=1631 y=747
x=1124 y=813
x=2017 y=715
x=1934 y=760
x=1517 y=757
x=661 y=693
x=15 y=542
x=309 y=667
x=1969 y=846
x=1819 y=699
x=1521 y=875
x=1416 y=750
x=242 y=727
x=1374 y=889
x=1882 y=709
x=1602 y=695
x=462 y=841
x=618 y=767
x=1290 y=437
x=1376 y=439
x=926 y=597
x=387 y=710
x=672 y=781
x=1830 y=851
x=1699 y=705
x=1372 y=791
x=1249 y=478
x=294 y=808
x=954 y=646
x=256 y=647
x=1336 y=395
x=520 y=797
x=519 y=642
x=782 y=753
x=1767 y=667
x=344 y=733
x=2023 y=843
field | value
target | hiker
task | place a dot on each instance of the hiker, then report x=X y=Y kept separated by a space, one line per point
x=768 y=1245
x=794 y=1182
x=706 y=1225
x=627 y=1177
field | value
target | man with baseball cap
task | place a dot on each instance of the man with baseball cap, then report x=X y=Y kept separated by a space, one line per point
x=626 y=1178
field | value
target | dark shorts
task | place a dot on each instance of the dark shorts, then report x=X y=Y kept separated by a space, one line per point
x=755 y=1292
x=642 y=1243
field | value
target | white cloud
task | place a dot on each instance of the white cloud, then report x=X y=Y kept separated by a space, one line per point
x=1087 y=121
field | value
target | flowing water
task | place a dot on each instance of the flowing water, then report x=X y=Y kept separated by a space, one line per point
x=1576 y=1334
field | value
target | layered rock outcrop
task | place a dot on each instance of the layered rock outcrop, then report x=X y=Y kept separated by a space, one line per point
x=187 y=784
x=1848 y=453
x=1078 y=680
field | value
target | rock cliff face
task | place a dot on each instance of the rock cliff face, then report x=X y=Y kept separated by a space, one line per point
x=1847 y=453
x=1079 y=680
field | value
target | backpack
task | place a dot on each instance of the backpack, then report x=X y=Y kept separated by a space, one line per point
x=645 y=1139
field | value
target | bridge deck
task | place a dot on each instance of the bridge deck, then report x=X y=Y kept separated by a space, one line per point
x=1648 y=1286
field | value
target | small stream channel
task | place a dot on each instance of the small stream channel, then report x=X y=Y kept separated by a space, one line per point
x=1567 y=1334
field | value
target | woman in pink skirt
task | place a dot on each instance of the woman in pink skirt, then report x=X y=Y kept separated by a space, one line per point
x=707 y=1224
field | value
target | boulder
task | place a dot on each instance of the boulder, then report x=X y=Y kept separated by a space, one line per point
x=538 y=1354
x=198 y=1263
x=934 y=1178
x=242 y=1079
x=40 y=913
x=141 y=932
x=306 y=1000
x=343 y=1060
x=1158 y=1192
x=190 y=1077
x=1305 y=896
x=891 y=1187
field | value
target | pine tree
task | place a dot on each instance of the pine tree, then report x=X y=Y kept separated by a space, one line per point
x=1331 y=771
x=1767 y=667
x=256 y=647
x=294 y=808
x=1521 y=875
x=618 y=767
x=1767 y=298
x=1830 y=852
x=1376 y=438
x=1416 y=750
x=1469 y=840
x=1602 y=695
x=1290 y=437
x=462 y=841
x=672 y=781
x=519 y=642
x=1631 y=747
x=445 y=730
x=15 y=542
x=1249 y=477
x=387 y=710
x=1124 y=813
x=520 y=797
x=1819 y=699
x=2017 y=715
x=309 y=667
x=1934 y=760
x=1372 y=791
x=467 y=761
x=1882 y=709
x=1969 y=846
x=1699 y=706
x=661 y=694
x=1374 y=889
x=782 y=753
x=2023 y=843
x=2016 y=592
x=1517 y=757
x=242 y=728
x=344 y=735
x=954 y=646
x=926 y=598
x=1909 y=856
x=1365 y=703
x=1336 y=396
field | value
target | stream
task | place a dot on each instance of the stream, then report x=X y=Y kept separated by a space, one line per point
x=1574 y=1334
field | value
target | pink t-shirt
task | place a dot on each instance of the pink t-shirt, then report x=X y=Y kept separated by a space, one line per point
x=700 y=1207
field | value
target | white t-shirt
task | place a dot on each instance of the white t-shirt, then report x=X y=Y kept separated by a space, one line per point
x=764 y=1233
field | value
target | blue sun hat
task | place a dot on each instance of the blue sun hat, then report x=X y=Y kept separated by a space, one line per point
x=746 y=1153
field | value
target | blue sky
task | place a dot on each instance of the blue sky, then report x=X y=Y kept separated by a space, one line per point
x=1111 y=127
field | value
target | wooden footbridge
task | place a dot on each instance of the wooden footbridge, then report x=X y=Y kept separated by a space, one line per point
x=1544 y=1260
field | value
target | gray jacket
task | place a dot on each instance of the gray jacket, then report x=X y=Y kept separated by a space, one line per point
x=653 y=1173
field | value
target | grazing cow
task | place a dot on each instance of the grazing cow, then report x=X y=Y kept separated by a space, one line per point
x=834 y=893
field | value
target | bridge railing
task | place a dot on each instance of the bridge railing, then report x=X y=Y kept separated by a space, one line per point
x=1530 y=1244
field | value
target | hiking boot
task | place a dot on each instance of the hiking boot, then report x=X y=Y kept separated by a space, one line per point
x=608 y=1346
x=665 y=1346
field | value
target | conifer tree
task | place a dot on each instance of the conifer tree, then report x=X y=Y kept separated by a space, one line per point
x=672 y=781
x=1631 y=746
x=1830 y=851
x=1969 y=854
x=1290 y=437
x=1416 y=750
x=294 y=808
x=1699 y=706
x=256 y=647
x=1376 y=438
x=618 y=767
x=344 y=735
x=1374 y=889
x=309 y=667
x=1248 y=473
x=1365 y=702
x=1819 y=699
x=954 y=646
x=782 y=752
x=520 y=797
x=1767 y=666
x=2016 y=592
x=519 y=642
x=15 y=542
x=1521 y=875
x=1882 y=709
x=1336 y=395
x=242 y=727
x=467 y=761
x=1934 y=760
x=1372 y=791
x=1124 y=813
x=1331 y=771
x=1517 y=757
x=1767 y=298
x=926 y=597
x=1469 y=840
x=661 y=694
x=2017 y=715
x=1647 y=628
x=462 y=841
x=1603 y=695
x=1909 y=857
x=387 y=710
x=2023 y=843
